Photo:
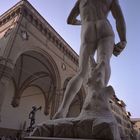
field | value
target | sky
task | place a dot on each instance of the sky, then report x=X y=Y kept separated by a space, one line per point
x=125 y=69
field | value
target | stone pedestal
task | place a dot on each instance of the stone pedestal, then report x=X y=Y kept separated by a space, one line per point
x=95 y=121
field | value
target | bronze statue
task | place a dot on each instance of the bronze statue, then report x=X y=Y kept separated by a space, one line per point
x=32 y=116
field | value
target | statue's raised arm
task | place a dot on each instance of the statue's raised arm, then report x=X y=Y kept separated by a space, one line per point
x=72 y=18
x=120 y=26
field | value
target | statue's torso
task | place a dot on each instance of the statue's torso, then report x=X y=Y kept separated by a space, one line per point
x=93 y=10
x=93 y=15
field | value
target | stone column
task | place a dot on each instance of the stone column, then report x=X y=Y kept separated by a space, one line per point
x=3 y=85
x=5 y=75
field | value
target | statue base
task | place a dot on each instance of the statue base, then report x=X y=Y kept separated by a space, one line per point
x=95 y=121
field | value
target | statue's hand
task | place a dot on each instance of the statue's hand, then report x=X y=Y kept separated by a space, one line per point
x=77 y=22
x=74 y=22
x=118 y=48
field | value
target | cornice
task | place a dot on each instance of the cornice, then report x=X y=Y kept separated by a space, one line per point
x=8 y=16
x=11 y=13
x=31 y=14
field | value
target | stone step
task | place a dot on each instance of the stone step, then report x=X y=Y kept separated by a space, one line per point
x=53 y=138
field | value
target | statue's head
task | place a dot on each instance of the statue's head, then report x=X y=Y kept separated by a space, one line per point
x=34 y=107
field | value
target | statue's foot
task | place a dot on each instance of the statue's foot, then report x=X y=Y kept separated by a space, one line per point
x=59 y=114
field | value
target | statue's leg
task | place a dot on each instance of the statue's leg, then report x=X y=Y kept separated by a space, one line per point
x=74 y=85
x=104 y=53
x=88 y=47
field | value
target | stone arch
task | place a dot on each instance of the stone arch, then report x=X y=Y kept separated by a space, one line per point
x=46 y=55
x=34 y=68
x=78 y=101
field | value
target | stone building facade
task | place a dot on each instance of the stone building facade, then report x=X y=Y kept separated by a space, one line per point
x=123 y=118
x=136 y=126
x=35 y=67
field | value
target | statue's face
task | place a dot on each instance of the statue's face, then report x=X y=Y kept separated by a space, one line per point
x=33 y=107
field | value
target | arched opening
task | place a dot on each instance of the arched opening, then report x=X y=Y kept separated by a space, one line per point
x=18 y=118
x=33 y=69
